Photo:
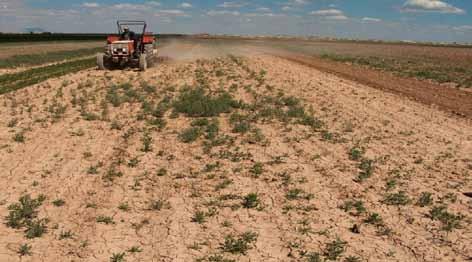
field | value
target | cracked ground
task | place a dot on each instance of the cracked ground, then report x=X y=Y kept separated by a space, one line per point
x=231 y=158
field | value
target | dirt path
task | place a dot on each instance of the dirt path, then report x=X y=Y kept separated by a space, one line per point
x=85 y=143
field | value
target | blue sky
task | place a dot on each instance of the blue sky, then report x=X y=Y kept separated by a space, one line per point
x=423 y=20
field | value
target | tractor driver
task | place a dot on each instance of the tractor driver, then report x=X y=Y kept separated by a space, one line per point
x=127 y=34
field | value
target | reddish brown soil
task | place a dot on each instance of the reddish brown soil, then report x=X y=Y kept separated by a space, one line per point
x=452 y=100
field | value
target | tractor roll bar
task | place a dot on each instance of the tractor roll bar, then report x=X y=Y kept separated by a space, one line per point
x=121 y=23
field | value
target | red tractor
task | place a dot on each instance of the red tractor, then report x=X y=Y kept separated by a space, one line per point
x=128 y=48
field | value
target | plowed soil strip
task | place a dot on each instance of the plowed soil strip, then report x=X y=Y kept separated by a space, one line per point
x=452 y=100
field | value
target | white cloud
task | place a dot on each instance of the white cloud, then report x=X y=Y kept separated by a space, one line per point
x=264 y=15
x=436 y=6
x=263 y=9
x=286 y=8
x=330 y=14
x=463 y=28
x=90 y=5
x=170 y=12
x=222 y=12
x=186 y=5
x=232 y=4
x=371 y=19
x=298 y=2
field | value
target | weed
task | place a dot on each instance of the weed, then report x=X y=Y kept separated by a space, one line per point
x=297 y=193
x=118 y=257
x=257 y=169
x=356 y=153
x=133 y=162
x=366 y=170
x=124 y=207
x=334 y=249
x=425 y=199
x=66 y=235
x=358 y=205
x=147 y=142
x=199 y=217
x=196 y=103
x=135 y=249
x=58 y=202
x=36 y=228
x=240 y=244
x=397 y=199
x=105 y=220
x=449 y=221
x=251 y=201
x=19 y=137
x=24 y=250
x=313 y=257
x=21 y=214
x=374 y=219
x=161 y=172
x=352 y=259
x=189 y=135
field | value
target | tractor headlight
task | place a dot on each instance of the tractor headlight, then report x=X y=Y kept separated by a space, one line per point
x=114 y=49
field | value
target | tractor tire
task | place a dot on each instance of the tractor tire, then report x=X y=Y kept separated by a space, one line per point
x=143 y=63
x=101 y=62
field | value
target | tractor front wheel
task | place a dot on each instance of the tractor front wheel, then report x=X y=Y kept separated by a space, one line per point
x=101 y=62
x=143 y=63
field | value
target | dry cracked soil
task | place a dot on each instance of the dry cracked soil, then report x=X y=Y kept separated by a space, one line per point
x=217 y=157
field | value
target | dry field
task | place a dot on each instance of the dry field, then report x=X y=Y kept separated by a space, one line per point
x=230 y=153
x=29 y=48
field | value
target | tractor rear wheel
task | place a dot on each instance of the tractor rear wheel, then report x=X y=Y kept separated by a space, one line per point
x=143 y=63
x=101 y=62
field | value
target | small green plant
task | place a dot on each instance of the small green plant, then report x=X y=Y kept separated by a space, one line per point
x=313 y=257
x=24 y=214
x=366 y=168
x=449 y=221
x=36 y=228
x=358 y=206
x=297 y=193
x=335 y=249
x=59 y=202
x=397 y=199
x=105 y=220
x=352 y=259
x=199 y=217
x=147 y=142
x=66 y=235
x=135 y=249
x=161 y=172
x=240 y=244
x=118 y=257
x=251 y=200
x=24 y=250
x=124 y=207
x=426 y=199
x=374 y=219
x=356 y=153
x=189 y=135
x=257 y=169
x=19 y=137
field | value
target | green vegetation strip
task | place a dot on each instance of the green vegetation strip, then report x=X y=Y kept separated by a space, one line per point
x=15 y=81
x=47 y=57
